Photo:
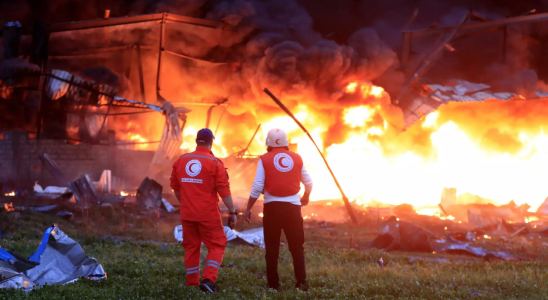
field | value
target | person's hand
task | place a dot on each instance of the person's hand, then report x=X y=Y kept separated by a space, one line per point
x=232 y=219
x=304 y=200
x=247 y=216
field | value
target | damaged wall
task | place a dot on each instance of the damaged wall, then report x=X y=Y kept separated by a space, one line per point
x=21 y=167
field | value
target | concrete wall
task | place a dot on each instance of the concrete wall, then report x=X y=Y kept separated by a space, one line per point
x=20 y=166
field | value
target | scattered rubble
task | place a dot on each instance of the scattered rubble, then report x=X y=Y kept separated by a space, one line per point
x=251 y=237
x=398 y=235
x=149 y=194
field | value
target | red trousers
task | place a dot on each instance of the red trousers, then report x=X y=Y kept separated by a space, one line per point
x=212 y=234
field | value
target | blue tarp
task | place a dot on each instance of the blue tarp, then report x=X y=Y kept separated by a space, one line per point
x=58 y=260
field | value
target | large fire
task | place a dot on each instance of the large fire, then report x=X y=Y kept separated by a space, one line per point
x=374 y=161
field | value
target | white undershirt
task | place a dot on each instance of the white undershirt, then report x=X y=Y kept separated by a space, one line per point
x=258 y=187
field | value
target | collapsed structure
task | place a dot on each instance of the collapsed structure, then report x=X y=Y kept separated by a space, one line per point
x=65 y=115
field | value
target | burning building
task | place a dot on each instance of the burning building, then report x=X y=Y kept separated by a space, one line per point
x=458 y=112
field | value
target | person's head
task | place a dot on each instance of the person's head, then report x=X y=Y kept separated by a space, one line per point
x=276 y=138
x=205 y=138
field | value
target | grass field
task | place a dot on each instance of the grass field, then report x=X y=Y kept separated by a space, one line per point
x=139 y=270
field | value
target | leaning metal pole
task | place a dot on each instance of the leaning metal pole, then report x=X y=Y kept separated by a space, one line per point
x=345 y=199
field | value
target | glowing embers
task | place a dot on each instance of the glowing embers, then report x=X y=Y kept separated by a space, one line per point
x=9 y=207
x=137 y=138
x=124 y=194
x=351 y=87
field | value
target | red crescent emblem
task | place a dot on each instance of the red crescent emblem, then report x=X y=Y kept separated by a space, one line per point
x=280 y=162
x=190 y=167
x=277 y=142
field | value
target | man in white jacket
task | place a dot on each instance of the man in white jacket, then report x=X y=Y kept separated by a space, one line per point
x=279 y=175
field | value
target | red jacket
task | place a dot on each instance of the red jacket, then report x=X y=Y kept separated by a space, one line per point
x=282 y=169
x=199 y=176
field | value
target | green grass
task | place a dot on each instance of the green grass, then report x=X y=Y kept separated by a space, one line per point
x=138 y=270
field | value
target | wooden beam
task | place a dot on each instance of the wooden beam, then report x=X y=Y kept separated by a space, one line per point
x=100 y=23
x=172 y=18
x=406 y=48
x=132 y=20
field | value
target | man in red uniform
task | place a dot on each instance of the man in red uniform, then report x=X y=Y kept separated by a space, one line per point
x=196 y=179
x=279 y=175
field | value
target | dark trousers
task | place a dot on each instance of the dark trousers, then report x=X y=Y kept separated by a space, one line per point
x=286 y=216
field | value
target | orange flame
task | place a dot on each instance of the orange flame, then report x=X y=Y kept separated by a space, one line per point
x=351 y=87
x=358 y=116
x=366 y=89
x=9 y=207
x=374 y=160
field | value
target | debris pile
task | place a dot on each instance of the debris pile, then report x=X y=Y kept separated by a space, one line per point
x=251 y=237
x=398 y=235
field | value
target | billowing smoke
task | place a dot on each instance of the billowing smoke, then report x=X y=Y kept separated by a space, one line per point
x=305 y=51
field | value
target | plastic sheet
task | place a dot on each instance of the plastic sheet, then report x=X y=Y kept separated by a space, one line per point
x=252 y=237
x=58 y=260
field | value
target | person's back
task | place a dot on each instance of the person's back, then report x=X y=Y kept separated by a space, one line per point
x=197 y=178
x=202 y=176
x=279 y=174
x=282 y=172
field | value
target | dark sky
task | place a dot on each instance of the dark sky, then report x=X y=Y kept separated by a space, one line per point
x=334 y=20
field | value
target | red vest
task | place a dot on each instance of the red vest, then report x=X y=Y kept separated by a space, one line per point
x=282 y=172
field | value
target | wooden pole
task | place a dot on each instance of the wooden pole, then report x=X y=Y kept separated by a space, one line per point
x=504 y=43
x=251 y=140
x=141 y=75
x=129 y=56
x=160 y=54
x=208 y=119
x=345 y=199
x=220 y=119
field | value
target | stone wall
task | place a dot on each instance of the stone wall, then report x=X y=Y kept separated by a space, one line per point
x=20 y=166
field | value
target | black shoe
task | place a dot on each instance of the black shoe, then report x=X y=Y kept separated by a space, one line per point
x=303 y=286
x=208 y=286
x=274 y=287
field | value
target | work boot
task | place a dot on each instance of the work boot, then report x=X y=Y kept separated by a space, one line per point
x=303 y=286
x=208 y=286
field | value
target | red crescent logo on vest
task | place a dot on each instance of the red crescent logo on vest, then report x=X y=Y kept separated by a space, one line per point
x=277 y=142
x=279 y=162
x=193 y=168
